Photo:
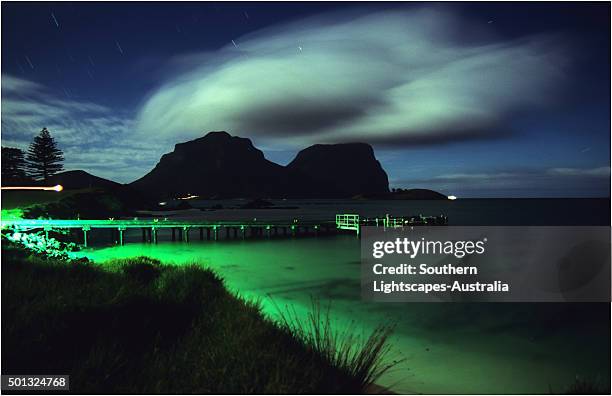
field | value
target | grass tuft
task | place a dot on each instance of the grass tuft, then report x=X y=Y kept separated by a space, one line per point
x=142 y=269
x=362 y=358
x=584 y=386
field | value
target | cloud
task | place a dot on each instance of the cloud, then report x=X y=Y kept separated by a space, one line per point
x=475 y=176
x=93 y=137
x=13 y=85
x=416 y=76
x=603 y=171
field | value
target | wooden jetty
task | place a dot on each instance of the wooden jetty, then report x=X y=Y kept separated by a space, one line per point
x=181 y=230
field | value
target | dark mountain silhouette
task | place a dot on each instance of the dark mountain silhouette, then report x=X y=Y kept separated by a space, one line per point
x=216 y=165
x=86 y=196
x=221 y=165
x=339 y=170
x=79 y=179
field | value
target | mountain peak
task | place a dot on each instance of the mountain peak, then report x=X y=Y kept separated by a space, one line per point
x=216 y=164
x=217 y=139
x=216 y=136
x=221 y=165
x=78 y=179
x=344 y=169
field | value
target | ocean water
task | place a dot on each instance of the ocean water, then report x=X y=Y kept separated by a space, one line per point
x=467 y=212
x=447 y=347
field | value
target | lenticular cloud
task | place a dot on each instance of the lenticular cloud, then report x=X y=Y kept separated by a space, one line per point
x=416 y=76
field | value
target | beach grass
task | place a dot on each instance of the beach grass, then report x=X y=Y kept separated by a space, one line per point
x=588 y=386
x=137 y=326
x=365 y=358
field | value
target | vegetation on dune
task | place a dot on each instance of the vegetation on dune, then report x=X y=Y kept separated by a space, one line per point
x=136 y=326
x=13 y=165
x=584 y=386
x=86 y=205
x=23 y=199
x=44 y=247
x=12 y=214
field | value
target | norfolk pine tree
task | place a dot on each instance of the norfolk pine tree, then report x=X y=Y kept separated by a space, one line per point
x=44 y=157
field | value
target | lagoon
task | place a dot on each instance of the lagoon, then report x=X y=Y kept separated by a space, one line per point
x=448 y=347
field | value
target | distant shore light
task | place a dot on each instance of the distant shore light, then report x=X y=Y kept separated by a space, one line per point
x=189 y=196
x=452 y=197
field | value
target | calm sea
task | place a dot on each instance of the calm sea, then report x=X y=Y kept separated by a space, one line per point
x=580 y=211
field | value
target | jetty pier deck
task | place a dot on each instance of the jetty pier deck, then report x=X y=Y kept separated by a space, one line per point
x=182 y=230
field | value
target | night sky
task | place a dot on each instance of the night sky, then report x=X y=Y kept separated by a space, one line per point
x=474 y=100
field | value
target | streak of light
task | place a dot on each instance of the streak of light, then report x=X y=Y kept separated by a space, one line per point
x=29 y=62
x=56 y=188
x=55 y=19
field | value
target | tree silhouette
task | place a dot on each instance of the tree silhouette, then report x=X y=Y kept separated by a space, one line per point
x=13 y=165
x=44 y=158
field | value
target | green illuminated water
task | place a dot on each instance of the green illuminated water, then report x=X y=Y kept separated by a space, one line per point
x=450 y=348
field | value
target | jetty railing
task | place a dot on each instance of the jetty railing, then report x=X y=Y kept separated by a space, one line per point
x=348 y=222
x=353 y=222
